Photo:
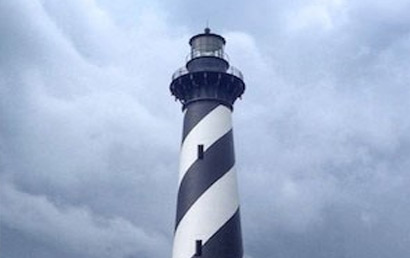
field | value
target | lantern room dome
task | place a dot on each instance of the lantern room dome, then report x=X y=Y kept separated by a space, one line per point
x=207 y=44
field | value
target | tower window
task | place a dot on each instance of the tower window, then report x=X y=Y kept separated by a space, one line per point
x=200 y=151
x=198 y=248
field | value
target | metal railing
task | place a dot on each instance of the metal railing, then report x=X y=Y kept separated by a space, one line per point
x=231 y=70
x=181 y=71
x=235 y=71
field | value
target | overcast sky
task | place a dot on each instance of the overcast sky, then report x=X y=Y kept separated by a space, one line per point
x=90 y=135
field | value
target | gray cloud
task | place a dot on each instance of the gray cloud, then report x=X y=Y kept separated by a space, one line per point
x=89 y=134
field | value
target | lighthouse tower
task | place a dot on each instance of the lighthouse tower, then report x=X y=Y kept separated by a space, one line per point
x=207 y=220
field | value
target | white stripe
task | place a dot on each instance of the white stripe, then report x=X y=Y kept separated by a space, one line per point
x=209 y=213
x=206 y=132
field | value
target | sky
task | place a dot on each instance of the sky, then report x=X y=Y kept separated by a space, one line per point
x=90 y=134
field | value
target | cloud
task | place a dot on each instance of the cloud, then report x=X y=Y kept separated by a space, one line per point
x=75 y=131
x=89 y=133
x=76 y=229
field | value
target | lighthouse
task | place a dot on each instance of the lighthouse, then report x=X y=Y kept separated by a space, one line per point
x=207 y=218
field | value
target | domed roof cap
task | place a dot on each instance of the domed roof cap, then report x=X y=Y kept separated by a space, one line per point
x=207 y=33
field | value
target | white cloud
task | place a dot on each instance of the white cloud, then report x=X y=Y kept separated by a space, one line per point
x=75 y=228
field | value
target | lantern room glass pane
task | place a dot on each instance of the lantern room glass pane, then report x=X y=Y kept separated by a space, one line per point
x=207 y=45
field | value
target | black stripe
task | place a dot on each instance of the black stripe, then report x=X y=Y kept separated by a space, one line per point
x=226 y=242
x=195 y=112
x=217 y=161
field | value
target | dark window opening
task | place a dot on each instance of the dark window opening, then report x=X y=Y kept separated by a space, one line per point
x=198 y=248
x=200 y=151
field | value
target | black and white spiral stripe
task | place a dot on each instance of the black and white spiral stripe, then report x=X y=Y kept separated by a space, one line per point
x=208 y=205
